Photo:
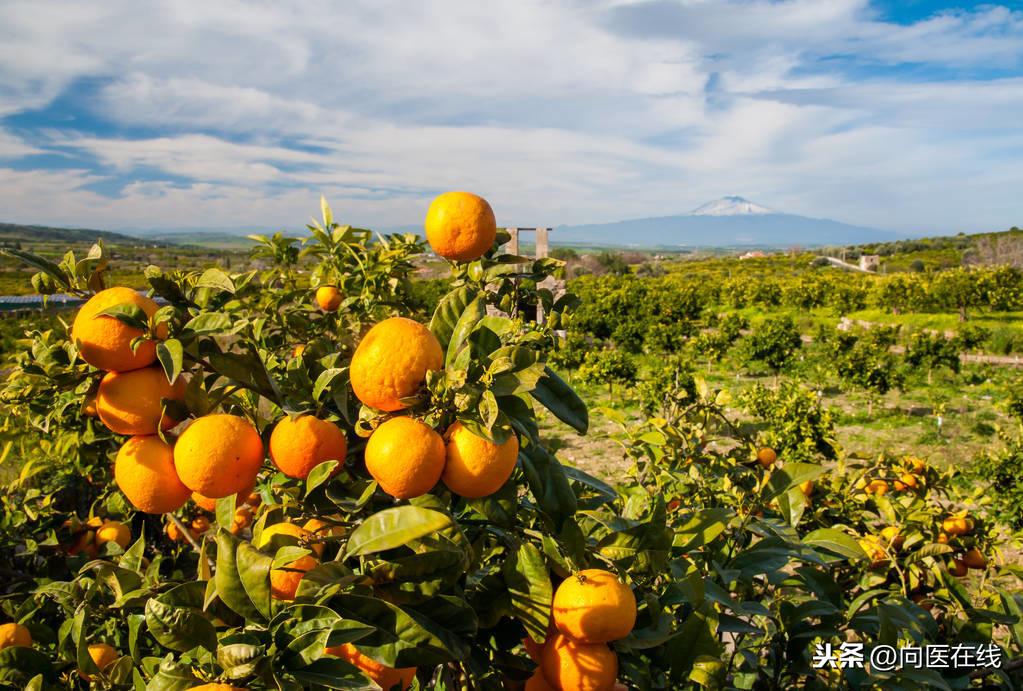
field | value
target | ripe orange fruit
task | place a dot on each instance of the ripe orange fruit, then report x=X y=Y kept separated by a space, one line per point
x=145 y=473
x=959 y=568
x=328 y=298
x=974 y=559
x=593 y=606
x=405 y=457
x=84 y=542
x=130 y=402
x=175 y=534
x=385 y=677
x=476 y=467
x=917 y=465
x=298 y=350
x=538 y=682
x=113 y=531
x=806 y=488
x=906 y=481
x=878 y=487
x=956 y=525
x=766 y=457
x=319 y=529
x=14 y=636
x=284 y=580
x=105 y=342
x=216 y=686
x=200 y=524
x=460 y=226
x=210 y=504
x=567 y=664
x=942 y=539
x=391 y=362
x=219 y=455
x=299 y=444
x=242 y=520
x=875 y=550
x=103 y=655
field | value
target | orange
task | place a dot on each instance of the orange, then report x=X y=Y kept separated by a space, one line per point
x=942 y=538
x=593 y=606
x=766 y=457
x=956 y=525
x=974 y=559
x=906 y=481
x=210 y=504
x=405 y=457
x=391 y=362
x=284 y=580
x=14 y=636
x=872 y=545
x=318 y=530
x=175 y=534
x=328 y=298
x=476 y=467
x=959 y=568
x=460 y=226
x=917 y=465
x=216 y=686
x=298 y=350
x=84 y=542
x=878 y=487
x=299 y=444
x=538 y=682
x=130 y=402
x=200 y=524
x=893 y=537
x=385 y=677
x=242 y=520
x=103 y=655
x=113 y=531
x=145 y=473
x=105 y=342
x=567 y=664
x=219 y=455
x=806 y=488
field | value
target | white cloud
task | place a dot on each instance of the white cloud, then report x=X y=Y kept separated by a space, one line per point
x=563 y=111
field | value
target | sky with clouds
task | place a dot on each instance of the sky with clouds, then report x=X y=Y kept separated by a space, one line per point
x=902 y=114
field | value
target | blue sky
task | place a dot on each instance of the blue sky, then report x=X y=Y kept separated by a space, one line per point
x=179 y=113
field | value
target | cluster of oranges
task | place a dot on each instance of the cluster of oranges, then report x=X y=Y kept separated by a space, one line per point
x=88 y=538
x=909 y=478
x=967 y=558
x=591 y=608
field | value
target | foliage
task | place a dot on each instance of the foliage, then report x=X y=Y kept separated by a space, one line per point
x=609 y=366
x=797 y=425
x=774 y=342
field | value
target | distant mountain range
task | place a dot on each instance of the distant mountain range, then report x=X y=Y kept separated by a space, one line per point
x=726 y=222
x=17 y=232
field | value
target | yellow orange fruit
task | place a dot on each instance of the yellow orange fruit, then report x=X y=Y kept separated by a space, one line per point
x=113 y=531
x=145 y=473
x=893 y=537
x=917 y=465
x=959 y=568
x=385 y=677
x=103 y=655
x=131 y=402
x=14 y=635
x=319 y=529
x=242 y=520
x=766 y=457
x=328 y=298
x=210 y=504
x=391 y=362
x=878 y=487
x=200 y=524
x=942 y=539
x=460 y=226
x=974 y=559
x=875 y=549
x=476 y=467
x=219 y=455
x=806 y=488
x=298 y=350
x=216 y=686
x=956 y=525
x=299 y=444
x=405 y=457
x=284 y=580
x=567 y=664
x=175 y=534
x=594 y=606
x=105 y=342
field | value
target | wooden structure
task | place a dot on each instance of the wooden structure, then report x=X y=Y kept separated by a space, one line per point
x=541 y=250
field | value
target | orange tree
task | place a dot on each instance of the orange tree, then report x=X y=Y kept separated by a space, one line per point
x=325 y=491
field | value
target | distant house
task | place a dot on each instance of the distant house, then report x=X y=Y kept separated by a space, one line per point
x=870 y=262
x=755 y=254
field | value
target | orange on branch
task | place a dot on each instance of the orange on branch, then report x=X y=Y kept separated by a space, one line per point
x=105 y=342
x=103 y=655
x=476 y=467
x=391 y=362
x=328 y=298
x=766 y=457
x=145 y=473
x=594 y=606
x=405 y=457
x=460 y=226
x=297 y=445
x=567 y=664
x=384 y=676
x=132 y=402
x=113 y=531
x=219 y=455
x=14 y=635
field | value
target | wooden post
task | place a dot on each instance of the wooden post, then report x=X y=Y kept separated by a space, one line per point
x=513 y=244
x=541 y=242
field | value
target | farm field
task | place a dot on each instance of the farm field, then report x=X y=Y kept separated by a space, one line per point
x=389 y=473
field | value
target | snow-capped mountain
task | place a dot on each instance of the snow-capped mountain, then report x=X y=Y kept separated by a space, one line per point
x=726 y=222
x=730 y=206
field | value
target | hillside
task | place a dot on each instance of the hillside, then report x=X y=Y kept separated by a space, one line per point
x=16 y=232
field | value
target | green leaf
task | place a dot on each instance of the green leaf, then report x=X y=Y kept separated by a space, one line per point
x=449 y=309
x=228 y=580
x=128 y=313
x=225 y=507
x=836 y=542
x=529 y=589
x=19 y=664
x=559 y=398
x=320 y=474
x=171 y=356
x=254 y=574
x=240 y=655
x=702 y=528
x=394 y=527
x=208 y=323
x=179 y=628
x=333 y=673
x=325 y=379
x=216 y=279
x=44 y=265
x=467 y=321
x=172 y=676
